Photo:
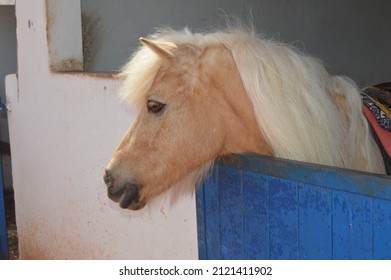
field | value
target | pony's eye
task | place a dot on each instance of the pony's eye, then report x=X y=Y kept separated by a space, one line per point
x=154 y=106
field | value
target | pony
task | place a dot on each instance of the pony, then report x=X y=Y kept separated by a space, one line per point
x=204 y=95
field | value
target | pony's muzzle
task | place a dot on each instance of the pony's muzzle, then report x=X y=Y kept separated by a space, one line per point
x=126 y=194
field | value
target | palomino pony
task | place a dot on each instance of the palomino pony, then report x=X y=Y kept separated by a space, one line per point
x=201 y=96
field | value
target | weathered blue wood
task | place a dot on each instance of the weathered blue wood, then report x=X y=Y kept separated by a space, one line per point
x=231 y=213
x=201 y=227
x=289 y=210
x=283 y=209
x=364 y=183
x=382 y=229
x=209 y=229
x=256 y=215
x=3 y=225
x=352 y=225
x=315 y=213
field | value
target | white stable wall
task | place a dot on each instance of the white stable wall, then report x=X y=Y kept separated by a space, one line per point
x=63 y=130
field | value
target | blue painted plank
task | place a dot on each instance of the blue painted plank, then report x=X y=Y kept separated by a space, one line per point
x=231 y=213
x=315 y=222
x=352 y=226
x=283 y=209
x=201 y=227
x=209 y=233
x=3 y=224
x=256 y=216
x=382 y=229
x=368 y=184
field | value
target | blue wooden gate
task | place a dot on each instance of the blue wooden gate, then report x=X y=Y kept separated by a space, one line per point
x=255 y=207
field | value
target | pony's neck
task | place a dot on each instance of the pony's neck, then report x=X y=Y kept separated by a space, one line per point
x=242 y=131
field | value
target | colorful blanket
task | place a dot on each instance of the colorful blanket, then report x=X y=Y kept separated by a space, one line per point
x=377 y=109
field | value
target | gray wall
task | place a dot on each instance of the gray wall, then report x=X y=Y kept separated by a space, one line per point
x=353 y=37
x=7 y=57
x=7 y=66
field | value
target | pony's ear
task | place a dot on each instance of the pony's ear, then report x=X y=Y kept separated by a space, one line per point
x=162 y=49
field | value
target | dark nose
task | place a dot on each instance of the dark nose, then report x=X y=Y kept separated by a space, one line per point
x=114 y=191
x=126 y=194
x=108 y=179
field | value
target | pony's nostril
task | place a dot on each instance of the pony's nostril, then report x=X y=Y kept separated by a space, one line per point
x=131 y=195
x=108 y=179
x=126 y=194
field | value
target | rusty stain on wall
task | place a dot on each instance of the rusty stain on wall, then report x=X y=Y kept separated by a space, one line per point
x=70 y=64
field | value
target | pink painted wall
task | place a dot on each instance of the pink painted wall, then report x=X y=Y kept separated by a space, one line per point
x=63 y=130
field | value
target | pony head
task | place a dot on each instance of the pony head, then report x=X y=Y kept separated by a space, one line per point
x=192 y=108
x=201 y=96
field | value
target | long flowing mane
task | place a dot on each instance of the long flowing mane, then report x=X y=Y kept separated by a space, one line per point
x=294 y=98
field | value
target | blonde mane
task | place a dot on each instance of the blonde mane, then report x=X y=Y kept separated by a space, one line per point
x=293 y=97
